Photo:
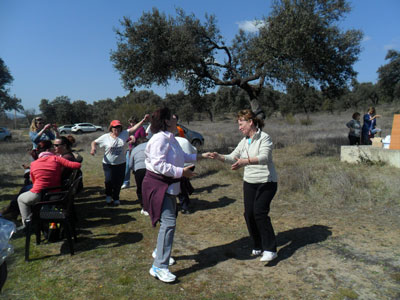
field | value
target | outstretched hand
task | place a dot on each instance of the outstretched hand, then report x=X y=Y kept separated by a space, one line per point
x=207 y=155
x=216 y=155
x=240 y=162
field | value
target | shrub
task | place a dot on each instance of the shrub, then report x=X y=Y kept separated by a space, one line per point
x=306 y=122
x=290 y=119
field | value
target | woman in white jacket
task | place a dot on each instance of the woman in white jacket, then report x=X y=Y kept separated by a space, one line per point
x=254 y=153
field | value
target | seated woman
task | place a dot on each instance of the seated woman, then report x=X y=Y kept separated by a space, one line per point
x=45 y=172
x=63 y=148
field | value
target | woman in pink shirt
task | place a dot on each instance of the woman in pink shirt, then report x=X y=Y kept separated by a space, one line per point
x=164 y=159
x=45 y=172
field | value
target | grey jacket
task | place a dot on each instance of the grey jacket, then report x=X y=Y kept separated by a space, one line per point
x=260 y=147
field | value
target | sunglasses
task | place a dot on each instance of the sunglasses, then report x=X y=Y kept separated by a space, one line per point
x=57 y=145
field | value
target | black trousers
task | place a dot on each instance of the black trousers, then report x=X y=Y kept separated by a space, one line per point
x=257 y=200
x=354 y=140
x=139 y=176
x=114 y=177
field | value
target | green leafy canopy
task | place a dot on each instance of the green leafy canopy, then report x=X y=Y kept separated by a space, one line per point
x=299 y=42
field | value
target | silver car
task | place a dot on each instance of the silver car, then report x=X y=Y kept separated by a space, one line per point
x=80 y=128
x=195 y=138
x=65 y=129
x=5 y=134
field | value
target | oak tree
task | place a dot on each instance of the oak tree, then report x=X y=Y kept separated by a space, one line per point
x=389 y=75
x=299 y=42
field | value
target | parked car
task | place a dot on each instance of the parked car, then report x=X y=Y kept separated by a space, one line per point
x=5 y=134
x=65 y=129
x=80 y=128
x=195 y=138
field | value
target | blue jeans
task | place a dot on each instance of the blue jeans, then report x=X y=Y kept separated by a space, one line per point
x=114 y=176
x=375 y=130
x=127 y=179
x=167 y=230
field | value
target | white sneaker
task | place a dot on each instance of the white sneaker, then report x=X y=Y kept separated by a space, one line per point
x=256 y=252
x=108 y=200
x=143 y=212
x=116 y=203
x=268 y=256
x=125 y=186
x=163 y=274
x=171 y=260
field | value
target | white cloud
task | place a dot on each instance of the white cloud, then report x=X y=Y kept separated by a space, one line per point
x=394 y=44
x=366 y=38
x=251 y=26
x=389 y=46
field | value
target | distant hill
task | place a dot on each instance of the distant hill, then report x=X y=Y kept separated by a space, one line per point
x=10 y=115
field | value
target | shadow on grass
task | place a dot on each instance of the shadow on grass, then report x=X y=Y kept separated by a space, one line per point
x=88 y=192
x=297 y=238
x=92 y=210
x=11 y=181
x=106 y=241
x=198 y=205
x=210 y=188
x=205 y=174
x=93 y=214
x=96 y=241
x=211 y=256
x=240 y=249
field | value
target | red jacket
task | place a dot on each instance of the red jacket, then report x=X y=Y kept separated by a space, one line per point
x=46 y=171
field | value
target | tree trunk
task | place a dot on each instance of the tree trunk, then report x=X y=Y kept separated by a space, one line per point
x=210 y=115
x=254 y=104
x=256 y=108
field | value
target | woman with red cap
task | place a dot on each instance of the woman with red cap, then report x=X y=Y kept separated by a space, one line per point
x=114 y=160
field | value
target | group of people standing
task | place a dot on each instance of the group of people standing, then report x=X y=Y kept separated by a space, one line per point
x=163 y=168
x=362 y=135
x=167 y=164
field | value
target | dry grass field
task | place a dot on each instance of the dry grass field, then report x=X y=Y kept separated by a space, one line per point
x=337 y=226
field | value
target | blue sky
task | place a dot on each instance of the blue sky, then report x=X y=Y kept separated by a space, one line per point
x=62 y=47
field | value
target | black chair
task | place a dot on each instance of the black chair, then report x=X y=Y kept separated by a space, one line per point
x=54 y=207
x=65 y=187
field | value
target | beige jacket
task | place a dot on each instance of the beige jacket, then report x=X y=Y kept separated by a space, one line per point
x=260 y=147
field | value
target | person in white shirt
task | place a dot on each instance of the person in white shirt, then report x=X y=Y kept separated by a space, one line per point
x=184 y=199
x=114 y=159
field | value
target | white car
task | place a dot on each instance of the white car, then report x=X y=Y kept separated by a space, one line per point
x=80 y=128
x=65 y=129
